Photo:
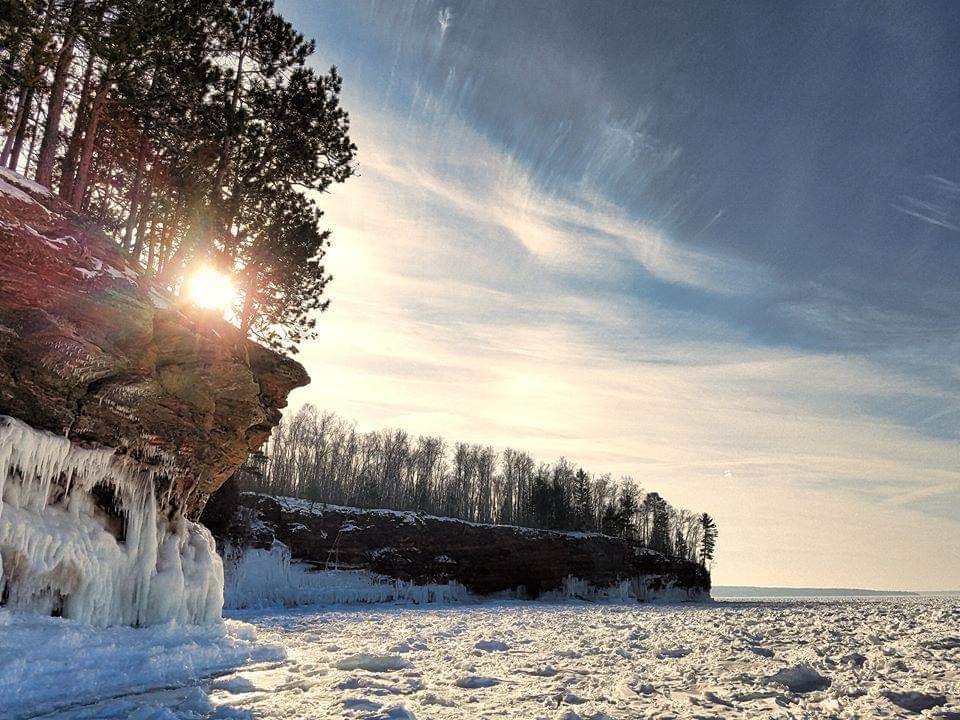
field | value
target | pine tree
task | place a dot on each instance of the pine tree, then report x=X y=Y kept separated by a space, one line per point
x=627 y=510
x=660 y=539
x=583 y=501
x=709 y=539
x=611 y=521
x=192 y=131
x=680 y=545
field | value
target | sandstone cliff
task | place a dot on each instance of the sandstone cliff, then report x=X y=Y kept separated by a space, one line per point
x=428 y=550
x=120 y=412
x=91 y=350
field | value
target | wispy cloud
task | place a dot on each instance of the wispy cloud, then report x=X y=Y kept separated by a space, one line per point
x=497 y=289
x=943 y=210
x=926 y=211
x=454 y=314
x=582 y=233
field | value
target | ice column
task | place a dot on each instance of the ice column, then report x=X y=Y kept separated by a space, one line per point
x=80 y=536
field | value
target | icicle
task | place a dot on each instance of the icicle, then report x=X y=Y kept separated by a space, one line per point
x=57 y=551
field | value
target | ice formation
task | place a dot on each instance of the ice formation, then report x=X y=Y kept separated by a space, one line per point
x=637 y=588
x=80 y=536
x=259 y=578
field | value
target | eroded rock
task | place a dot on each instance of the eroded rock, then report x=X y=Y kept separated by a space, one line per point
x=91 y=349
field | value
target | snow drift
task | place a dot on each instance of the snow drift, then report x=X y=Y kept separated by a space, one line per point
x=81 y=537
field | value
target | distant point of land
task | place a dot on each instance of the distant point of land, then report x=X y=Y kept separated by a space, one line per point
x=750 y=591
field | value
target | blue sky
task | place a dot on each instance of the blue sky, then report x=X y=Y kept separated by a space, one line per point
x=715 y=247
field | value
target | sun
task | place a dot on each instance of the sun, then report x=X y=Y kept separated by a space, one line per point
x=209 y=288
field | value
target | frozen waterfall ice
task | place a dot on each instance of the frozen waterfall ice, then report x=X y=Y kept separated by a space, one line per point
x=81 y=536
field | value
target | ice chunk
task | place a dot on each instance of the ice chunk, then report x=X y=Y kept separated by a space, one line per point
x=472 y=682
x=800 y=679
x=263 y=578
x=373 y=663
x=400 y=712
x=915 y=701
x=491 y=646
x=855 y=659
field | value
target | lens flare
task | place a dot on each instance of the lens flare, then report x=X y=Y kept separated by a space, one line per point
x=209 y=288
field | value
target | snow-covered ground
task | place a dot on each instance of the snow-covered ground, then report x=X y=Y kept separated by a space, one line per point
x=896 y=657
x=49 y=665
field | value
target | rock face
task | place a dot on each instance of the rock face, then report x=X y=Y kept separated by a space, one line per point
x=90 y=350
x=425 y=549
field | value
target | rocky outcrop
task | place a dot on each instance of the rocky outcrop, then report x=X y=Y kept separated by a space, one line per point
x=90 y=349
x=426 y=550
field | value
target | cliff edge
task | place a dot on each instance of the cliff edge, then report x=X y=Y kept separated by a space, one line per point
x=91 y=350
x=425 y=550
x=120 y=412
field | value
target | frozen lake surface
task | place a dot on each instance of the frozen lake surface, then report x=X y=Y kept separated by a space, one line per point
x=877 y=658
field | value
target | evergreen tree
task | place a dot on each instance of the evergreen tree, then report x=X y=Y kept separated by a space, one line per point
x=627 y=510
x=583 y=501
x=611 y=521
x=708 y=539
x=192 y=131
x=660 y=539
x=680 y=548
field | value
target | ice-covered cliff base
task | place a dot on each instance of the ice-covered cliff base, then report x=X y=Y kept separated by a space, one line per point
x=258 y=578
x=81 y=537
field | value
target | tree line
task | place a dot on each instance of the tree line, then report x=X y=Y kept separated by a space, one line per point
x=191 y=131
x=321 y=457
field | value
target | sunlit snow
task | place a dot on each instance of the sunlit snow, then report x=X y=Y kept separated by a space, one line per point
x=879 y=658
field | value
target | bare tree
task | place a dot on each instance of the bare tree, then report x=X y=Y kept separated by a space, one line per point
x=320 y=457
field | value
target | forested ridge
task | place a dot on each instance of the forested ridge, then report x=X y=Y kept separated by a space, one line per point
x=321 y=457
x=191 y=131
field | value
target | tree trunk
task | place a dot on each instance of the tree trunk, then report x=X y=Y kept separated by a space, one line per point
x=18 y=120
x=89 y=142
x=163 y=241
x=249 y=294
x=97 y=172
x=135 y=191
x=151 y=243
x=17 y=132
x=51 y=132
x=227 y=144
x=21 y=131
x=32 y=67
x=192 y=237
x=33 y=141
x=149 y=208
x=170 y=228
x=143 y=217
x=76 y=138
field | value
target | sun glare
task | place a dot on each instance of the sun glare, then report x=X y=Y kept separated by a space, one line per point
x=210 y=288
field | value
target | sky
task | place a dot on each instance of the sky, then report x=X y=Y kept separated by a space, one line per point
x=711 y=246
